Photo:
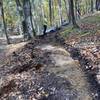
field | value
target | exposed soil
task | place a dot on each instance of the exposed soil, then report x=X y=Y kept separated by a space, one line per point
x=44 y=70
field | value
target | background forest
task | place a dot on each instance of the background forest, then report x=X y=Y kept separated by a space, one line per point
x=28 y=16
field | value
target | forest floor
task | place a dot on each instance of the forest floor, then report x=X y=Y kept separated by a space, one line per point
x=89 y=26
x=6 y=50
x=47 y=71
x=53 y=68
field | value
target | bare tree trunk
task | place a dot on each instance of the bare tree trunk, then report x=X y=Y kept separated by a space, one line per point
x=66 y=8
x=72 y=15
x=86 y=7
x=20 y=12
x=92 y=6
x=4 y=23
x=50 y=11
x=97 y=5
x=28 y=19
x=76 y=2
x=77 y=10
x=53 y=11
x=60 y=11
x=34 y=17
x=33 y=30
x=69 y=12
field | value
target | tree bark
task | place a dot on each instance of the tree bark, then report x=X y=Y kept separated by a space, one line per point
x=71 y=13
x=92 y=6
x=67 y=15
x=20 y=13
x=28 y=19
x=98 y=5
x=34 y=17
x=4 y=23
x=50 y=11
x=33 y=30
x=60 y=11
x=77 y=10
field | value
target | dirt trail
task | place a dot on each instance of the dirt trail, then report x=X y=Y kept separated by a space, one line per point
x=66 y=67
x=55 y=60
